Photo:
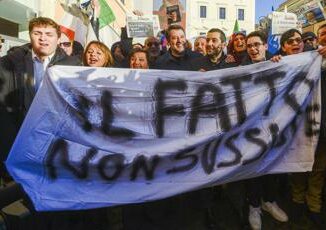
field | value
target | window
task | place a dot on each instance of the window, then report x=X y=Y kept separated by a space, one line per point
x=240 y=14
x=222 y=13
x=122 y=1
x=202 y=12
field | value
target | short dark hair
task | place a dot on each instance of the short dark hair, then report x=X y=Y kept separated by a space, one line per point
x=137 y=50
x=287 y=34
x=173 y=27
x=217 y=30
x=321 y=27
x=259 y=34
x=43 y=21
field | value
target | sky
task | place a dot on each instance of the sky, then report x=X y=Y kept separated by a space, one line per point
x=264 y=7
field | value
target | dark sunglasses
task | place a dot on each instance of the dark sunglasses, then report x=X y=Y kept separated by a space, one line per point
x=291 y=41
x=65 y=44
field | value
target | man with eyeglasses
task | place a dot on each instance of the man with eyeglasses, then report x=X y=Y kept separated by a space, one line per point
x=306 y=188
x=291 y=42
x=261 y=191
x=256 y=43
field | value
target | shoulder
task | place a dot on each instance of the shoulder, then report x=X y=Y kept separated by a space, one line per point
x=60 y=58
x=161 y=60
x=191 y=54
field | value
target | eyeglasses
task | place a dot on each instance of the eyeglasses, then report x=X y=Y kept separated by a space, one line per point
x=254 y=45
x=65 y=44
x=291 y=41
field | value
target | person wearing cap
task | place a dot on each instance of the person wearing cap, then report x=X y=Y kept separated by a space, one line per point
x=310 y=40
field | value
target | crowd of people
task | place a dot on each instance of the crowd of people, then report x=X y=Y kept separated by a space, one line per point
x=23 y=68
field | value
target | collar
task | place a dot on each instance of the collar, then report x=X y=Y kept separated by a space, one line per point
x=222 y=58
x=173 y=58
x=46 y=60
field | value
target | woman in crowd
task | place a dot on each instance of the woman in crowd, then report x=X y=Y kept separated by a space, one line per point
x=138 y=59
x=237 y=49
x=97 y=54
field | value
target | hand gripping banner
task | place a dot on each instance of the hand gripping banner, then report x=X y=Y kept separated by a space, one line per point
x=97 y=137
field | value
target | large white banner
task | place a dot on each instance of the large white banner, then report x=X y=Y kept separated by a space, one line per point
x=98 y=137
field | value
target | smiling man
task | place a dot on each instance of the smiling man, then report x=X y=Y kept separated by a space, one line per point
x=21 y=74
x=261 y=191
x=256 y=44
x=215 y=58
x=177 y=57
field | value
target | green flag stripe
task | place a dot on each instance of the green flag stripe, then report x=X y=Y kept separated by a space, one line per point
x=106 y=14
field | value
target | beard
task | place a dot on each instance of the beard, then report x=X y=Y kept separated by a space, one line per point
x=215 y=53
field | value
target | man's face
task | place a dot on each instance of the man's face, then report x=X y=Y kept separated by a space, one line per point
x=138 y=61
x=322 y=36
x=152 y=45
x=174 y=16
x=214 y=44
x=177 y=42
x=44 y=40
x=239 y=43
x=311 y=41
x=200 y=46
x=256 y=49
x=65 y=44
x=293 y=45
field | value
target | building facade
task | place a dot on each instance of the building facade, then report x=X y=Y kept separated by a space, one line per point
x=201 y=15
x=206 y=14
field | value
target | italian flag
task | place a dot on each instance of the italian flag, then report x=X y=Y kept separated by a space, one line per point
x=76 y=22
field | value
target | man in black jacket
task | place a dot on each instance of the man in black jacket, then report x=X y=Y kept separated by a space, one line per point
x=215 y=57
x=178 y=57
x=21 y=74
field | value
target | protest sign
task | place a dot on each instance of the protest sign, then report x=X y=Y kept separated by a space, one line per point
x=97 y=137
x=170 y=12
x=173 y=14
x=282 y=21
x=142 y=26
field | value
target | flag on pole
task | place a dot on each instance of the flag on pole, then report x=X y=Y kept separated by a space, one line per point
x=106 y=14
x=236 y=26
x=77 y=19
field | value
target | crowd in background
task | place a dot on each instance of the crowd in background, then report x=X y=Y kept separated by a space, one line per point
x=23 y=68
